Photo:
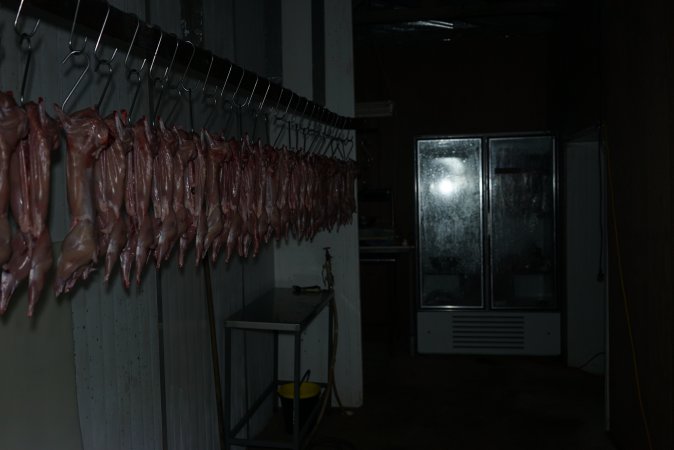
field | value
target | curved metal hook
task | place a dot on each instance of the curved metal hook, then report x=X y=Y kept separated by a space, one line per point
x=21 y=34
x=238 y=86
x=293 y=118
x=209 y=96
x=131 y=71
x=281 y=117
x=72 y=32
x=164 y=79
x=224 y=85
x=79 y=79
x=214 y=95
x=169 y=69
x=264 y=98
x=256 y=114
x=246 y=104
x=74 y=52
x=332 y=134
x=103 y=61
x=181 y=83
x=99 y=59
x=318 y=131
x=154 y=56
x=288 y=112
x=278 y=102
x=25 y=37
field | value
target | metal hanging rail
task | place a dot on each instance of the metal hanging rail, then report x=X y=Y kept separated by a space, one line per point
x=120 y=28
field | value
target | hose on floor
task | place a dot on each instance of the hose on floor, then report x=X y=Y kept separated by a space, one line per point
x=623 y=290
x=330 y=389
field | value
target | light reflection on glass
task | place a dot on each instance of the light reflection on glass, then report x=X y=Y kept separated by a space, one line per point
x=451 y=176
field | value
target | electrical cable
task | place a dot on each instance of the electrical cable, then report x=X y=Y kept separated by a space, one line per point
x=600 y=163
x=215 y=360
x=331 y=387
x=590 y=359
x=623 y=290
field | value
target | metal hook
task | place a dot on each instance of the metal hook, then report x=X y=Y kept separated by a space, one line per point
x=131 y=71
x=169 y=69
x=333 y=135
x=16 y=25
x=281 y=117
x=352 y=145
x=293 y=119
x=285 y=113
x=213 y=96
x=309 y=118
x=75 y=52
x=278 y=101
x=301 y=118
x=209 y=96
x=317 y=132
x=256 y=114
x=264 y=98
x=181 y=83
x=238 y=86
x=229 y=72
x=154 y=57
x=24 y=37
x=79 y=79
x=246 y=104
x=103 y=61
x=72 y=32
x=164 y=79
x=98 y=42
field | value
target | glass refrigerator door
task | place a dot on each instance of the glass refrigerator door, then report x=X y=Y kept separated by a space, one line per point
x=450 y=222
x=522 y=228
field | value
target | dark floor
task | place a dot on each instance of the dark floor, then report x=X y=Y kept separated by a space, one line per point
x=469 y=402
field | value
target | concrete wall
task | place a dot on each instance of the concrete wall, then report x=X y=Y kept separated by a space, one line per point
x=638 y=69
x=585 y=294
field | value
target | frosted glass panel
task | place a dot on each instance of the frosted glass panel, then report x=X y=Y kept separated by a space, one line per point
x=450 y=222
x=522 y=216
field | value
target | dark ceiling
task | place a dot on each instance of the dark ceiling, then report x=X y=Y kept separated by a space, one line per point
x=414 y=21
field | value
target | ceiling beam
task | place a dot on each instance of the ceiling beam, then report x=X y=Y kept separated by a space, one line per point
x=463 y=11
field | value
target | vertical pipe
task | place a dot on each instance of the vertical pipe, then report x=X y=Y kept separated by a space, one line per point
x=275 y=368
x=296 y=394
x=228 y=386
x=215 y=360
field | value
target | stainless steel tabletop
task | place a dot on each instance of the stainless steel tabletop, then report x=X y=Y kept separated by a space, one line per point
x=280 y=310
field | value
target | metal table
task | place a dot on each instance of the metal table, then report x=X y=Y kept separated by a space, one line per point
x=281 y=311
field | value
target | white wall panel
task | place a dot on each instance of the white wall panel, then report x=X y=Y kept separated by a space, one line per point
x=117 y=363
x=586 y=296
x=38 y=392
x=190 y=393
x=301 y=263
x=114 y=330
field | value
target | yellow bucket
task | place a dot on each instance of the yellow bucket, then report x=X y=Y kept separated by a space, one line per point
x=309 y=393
x=307 y=390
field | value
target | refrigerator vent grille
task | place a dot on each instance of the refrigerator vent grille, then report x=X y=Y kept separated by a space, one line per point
x=488 y=332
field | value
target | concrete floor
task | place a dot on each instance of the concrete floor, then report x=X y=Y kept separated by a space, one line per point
x=475 y=403
x=469 y=402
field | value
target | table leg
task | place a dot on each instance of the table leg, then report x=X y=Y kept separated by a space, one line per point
x=330 y=343
x=228 y=386
x=274 y=403
x=296 y=396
